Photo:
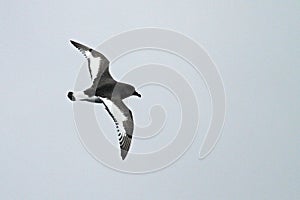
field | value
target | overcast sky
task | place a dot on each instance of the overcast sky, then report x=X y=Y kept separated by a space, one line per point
x=256 y=48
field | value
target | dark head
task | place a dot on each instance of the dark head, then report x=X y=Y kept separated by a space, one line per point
x=137 y=94
x=70 y=96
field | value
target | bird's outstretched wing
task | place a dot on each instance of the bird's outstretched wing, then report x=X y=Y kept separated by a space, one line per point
x=97 y=63
x=122 y=117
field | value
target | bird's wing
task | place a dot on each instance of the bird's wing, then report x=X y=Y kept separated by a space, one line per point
x=97 y=63
x=122 y=117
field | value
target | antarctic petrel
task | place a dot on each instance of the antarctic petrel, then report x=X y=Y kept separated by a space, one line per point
x=109 y=92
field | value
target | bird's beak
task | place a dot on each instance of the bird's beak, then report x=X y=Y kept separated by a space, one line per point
x=137 y=94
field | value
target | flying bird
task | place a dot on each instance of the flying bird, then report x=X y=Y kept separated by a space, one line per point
x=109 y=92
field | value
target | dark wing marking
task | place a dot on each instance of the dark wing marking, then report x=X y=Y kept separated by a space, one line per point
x=97 y=63
x=122 y=117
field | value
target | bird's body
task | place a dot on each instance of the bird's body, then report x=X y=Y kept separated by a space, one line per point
x=110 y=93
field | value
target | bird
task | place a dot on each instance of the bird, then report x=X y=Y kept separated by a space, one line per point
x=109 y=92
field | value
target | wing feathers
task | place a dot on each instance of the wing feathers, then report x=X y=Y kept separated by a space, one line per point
x=122 y=117
x=96 y=60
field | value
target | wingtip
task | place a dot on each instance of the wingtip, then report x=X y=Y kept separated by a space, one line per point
x=74 y=43
x=79 y=46
x=123 y=154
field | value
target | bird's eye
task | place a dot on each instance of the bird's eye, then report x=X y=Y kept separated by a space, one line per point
x=90 y=50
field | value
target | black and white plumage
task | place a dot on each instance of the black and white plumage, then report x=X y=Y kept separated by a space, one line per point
x=109 y=92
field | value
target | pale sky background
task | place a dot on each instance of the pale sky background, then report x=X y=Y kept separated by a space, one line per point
x=256 y=48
